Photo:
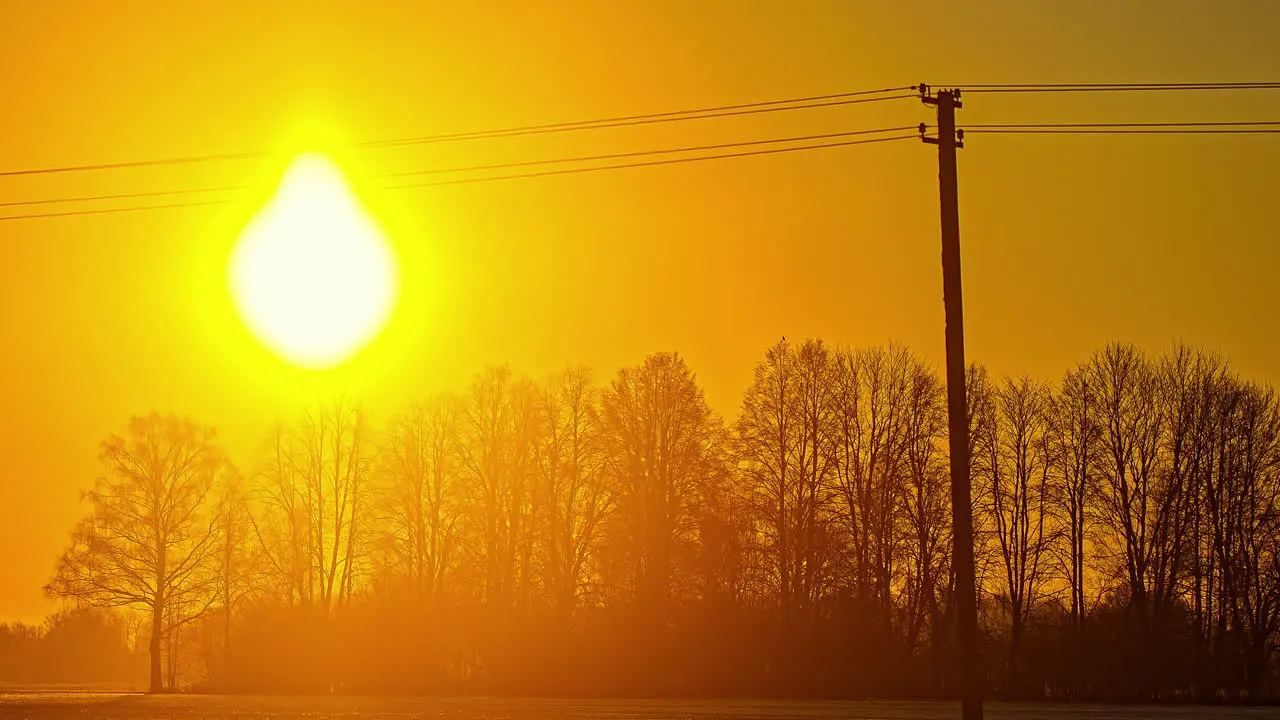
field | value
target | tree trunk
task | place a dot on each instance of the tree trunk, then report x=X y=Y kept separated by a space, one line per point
x=226 y=646
x=1255 y=667
x=173 y=657
x=1015 y=654
x=158 y=606
x=157 y=625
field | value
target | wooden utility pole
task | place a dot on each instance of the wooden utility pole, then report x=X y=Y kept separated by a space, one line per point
x=948 y=139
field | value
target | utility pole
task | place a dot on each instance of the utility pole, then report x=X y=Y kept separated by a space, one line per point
x=970 y=671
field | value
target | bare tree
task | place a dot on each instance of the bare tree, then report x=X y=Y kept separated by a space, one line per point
x=980 y=393
x=871 y=412
x=1187 y=381
x=523 y=508
x=150 y=539
x=501 y=431
x=765 y=436
x=423 y=500
x=1243 y=507
x=236 y=556
x=1014 y=484
x=1142 y=499
x=283 y=522
x=1076 y=434
x=576 y=498
x=815 y=459
x=926 y=506
x=334 y=457
x=663 y=444
x=1129 y=412
x=784 y=436
x=316 y=494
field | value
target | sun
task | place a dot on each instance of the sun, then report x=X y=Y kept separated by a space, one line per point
x=312 y=274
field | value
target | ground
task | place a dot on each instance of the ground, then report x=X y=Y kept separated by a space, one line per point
x=114 y=706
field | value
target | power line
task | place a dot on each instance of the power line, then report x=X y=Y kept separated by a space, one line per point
x=108 y=211
x=1214 y=124
x=642 y=153
x=481 y=168
x=637 y=120
x=122 y=196
x=1126 y=131
x=134 y=164
x=651 y=163
x=1227 y=127
x=1116 y=87
x=565 y=171
x=767 y=106
x=1134 y=128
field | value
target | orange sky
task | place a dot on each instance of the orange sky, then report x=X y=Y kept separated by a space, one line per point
x=1068 y=242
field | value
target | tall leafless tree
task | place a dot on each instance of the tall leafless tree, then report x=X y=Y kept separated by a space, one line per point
x=1130 y=501
x=149 y=542
x=501 y=432
x=237 y=554
x=1014 y=482
x=315 y=497
x=1075 y=447
x=423 y=497
x=784 y=435
x=570 y=466
x=871 y=411
x=926 y=507
x=662 y=441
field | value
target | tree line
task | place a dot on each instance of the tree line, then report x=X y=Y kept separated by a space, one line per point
x=572 y=537
x=82 y=646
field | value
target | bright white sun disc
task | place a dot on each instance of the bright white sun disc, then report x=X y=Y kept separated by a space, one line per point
x=312 y=275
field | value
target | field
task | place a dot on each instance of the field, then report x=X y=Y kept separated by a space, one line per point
x=114 y=706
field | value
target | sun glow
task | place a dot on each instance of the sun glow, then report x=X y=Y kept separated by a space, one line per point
x=312 y=275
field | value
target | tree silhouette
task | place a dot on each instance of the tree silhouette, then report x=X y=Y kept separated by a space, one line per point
x=926 y=513
x=871 y=419
x=236 y=558
x=555 y=537
x=150 y=540
x=1013 y=480
x=575 y=496
x=662 y=442
x=501 y=426
x=784 y=436
x=423 y=497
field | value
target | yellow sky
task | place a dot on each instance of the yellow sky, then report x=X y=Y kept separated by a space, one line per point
x=1068 y=242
